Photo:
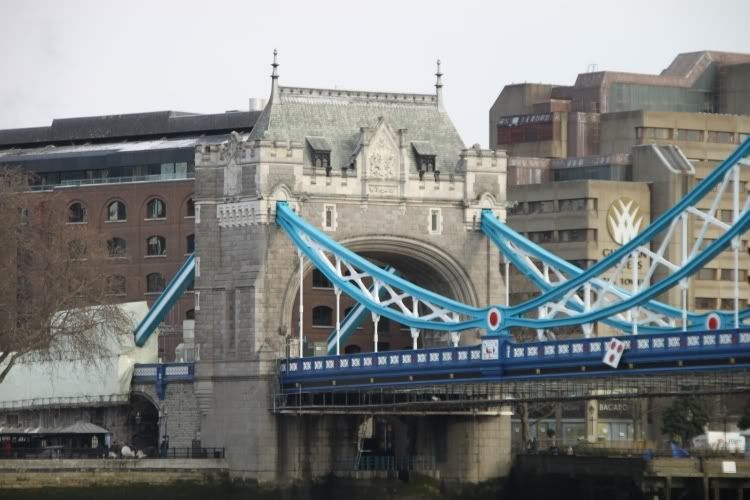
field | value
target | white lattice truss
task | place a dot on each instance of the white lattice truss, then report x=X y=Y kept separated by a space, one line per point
x=592 y=291
x=401 y=303
x=602 y=292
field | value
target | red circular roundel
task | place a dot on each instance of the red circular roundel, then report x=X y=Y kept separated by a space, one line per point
x=713 y=321
x=493 y=318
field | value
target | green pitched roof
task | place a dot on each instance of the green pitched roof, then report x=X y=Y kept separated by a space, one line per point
x=337 y=117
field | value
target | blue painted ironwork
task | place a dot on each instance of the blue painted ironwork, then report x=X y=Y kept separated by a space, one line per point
x=403 y=297
x=501 y=235
x=515 y=315
x=501 y=359
x=449 y=315
x=180 y=282
x=144 y=373
x=161 y=374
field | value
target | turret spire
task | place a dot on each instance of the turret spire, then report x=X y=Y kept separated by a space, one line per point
x=439 y=87
x=274 y=79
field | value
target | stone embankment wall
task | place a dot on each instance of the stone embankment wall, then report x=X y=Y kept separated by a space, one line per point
x=109 y=472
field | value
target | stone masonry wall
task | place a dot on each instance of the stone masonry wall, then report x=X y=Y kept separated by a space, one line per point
x=182 y=421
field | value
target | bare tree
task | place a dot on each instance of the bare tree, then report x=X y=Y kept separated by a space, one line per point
x=55 y=289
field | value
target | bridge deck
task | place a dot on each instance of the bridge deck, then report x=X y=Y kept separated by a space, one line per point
x=474 y=398
x=499 y=372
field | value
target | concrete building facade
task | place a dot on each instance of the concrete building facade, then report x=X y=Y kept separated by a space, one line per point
x=646 y=138
x=559 y=121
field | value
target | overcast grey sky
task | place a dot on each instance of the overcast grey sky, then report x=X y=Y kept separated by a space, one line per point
x=78 y=58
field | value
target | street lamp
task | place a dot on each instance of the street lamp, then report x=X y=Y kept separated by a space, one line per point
x=164 y=444
x=165 y=416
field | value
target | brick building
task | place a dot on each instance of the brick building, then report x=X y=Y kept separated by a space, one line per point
x=131 y=177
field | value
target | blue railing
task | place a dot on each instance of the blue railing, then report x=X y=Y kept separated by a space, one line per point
x=149 y=372
x=501 y=358
x=372 y=363
x=161 y=374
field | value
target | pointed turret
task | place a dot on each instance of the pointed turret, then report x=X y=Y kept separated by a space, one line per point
x=439 y=87
x=275 y=79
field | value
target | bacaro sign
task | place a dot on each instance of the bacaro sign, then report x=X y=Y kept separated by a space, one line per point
x=614 y=409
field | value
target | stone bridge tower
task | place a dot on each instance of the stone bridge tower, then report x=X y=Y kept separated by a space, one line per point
x=384 y=173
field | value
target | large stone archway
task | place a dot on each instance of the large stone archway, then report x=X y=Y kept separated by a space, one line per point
x=417 y=261
x=143 y=423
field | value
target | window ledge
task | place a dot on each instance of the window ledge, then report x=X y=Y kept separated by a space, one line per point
x=154 y=256
x=77 y=223
x=118 y=221
x=323 y=326
x=154 y=293
x=154 y=219
x=189 y=217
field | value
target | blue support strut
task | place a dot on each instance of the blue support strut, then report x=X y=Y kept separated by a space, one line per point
x=182 y=279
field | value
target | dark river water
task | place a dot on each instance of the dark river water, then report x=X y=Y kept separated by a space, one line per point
x=537 y=488
x=370 y=490
x=338 y=489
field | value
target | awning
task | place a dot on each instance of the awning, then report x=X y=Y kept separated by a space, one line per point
x=81 y=427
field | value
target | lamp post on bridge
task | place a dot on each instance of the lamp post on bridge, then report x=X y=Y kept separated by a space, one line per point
x=164 y=445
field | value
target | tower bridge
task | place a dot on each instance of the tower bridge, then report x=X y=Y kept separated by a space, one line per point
x=353 y=183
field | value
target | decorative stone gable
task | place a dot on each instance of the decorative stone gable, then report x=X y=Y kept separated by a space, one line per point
x=381 y=160
x=383 y=156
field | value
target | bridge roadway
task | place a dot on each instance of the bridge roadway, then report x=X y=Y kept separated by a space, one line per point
x=499 y=372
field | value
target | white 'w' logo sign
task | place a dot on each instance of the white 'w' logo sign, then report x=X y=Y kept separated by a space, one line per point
x=624 y=220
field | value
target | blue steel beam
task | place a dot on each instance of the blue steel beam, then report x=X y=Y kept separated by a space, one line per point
x=182 y=279
x=499 y=233
x=457 y=316
x=661 y=223
x=311 y=242
x=512 y=317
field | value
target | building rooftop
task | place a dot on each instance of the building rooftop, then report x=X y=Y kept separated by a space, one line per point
x=128 y=127
x=338 y=117
x=112 y=154
x=688 y=84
